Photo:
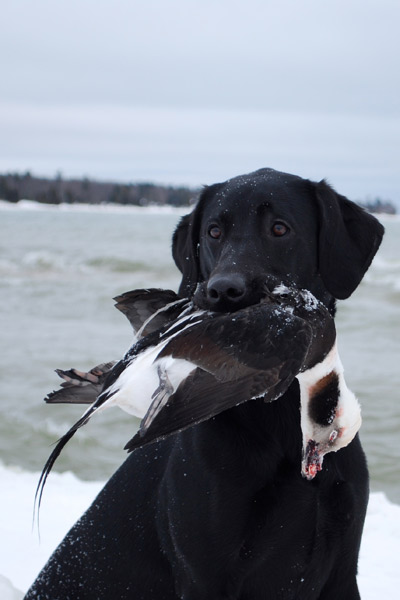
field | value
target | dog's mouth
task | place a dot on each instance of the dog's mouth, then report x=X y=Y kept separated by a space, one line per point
x=226 y=303
x=232 y=293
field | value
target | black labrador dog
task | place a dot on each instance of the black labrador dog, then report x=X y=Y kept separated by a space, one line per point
x=221 y=511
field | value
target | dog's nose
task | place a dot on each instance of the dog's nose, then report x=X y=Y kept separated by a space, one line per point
x=226 y=290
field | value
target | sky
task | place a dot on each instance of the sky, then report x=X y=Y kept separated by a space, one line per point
x=194 y=92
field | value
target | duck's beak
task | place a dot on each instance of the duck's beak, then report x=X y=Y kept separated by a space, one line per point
x=312 y=460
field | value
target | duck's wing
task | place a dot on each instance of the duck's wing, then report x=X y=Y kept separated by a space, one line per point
x=202 y=397
x=95 y=386
x=148 y=310
x=80 y=387
x=258 y=338
x=255 y=355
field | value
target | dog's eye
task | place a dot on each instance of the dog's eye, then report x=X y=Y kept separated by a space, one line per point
x=279 y=229
x=214 y=232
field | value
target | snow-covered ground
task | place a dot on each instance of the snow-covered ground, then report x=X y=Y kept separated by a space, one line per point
x=152 y=209
x=22 y=554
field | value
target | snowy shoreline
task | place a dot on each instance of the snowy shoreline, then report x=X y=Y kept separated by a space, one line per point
x=152 y=209
x=22 y=554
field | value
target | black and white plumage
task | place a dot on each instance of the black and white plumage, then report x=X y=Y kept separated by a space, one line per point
x=148 y=310
x=192 y=364
x=330 y=412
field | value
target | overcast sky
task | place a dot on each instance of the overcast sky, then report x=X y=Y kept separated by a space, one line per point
x=188 y=91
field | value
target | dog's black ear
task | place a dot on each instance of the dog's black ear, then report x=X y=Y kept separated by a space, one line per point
x=184 y=252
x=349 y=239
x=186 y=243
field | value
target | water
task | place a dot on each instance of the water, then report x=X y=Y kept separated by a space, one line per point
x=60 y=269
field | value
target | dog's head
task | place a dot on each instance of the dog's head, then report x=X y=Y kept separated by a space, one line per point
x=268 y=227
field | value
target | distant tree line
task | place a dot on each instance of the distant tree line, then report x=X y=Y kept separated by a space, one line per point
x=379 y=206
x=15 y=187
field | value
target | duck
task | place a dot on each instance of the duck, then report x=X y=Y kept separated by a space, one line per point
x=187 y=365
x=330 y=414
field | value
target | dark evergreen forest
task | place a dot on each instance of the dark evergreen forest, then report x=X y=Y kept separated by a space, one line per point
x=15 y=187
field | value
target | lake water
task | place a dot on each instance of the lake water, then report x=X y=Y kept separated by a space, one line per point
x=60 y=269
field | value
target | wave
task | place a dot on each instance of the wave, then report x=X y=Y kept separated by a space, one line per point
x=117 y=265
x=384 y=273
x=45 y=262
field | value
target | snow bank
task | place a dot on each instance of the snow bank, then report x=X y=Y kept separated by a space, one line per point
x=379 y=572
x=22 y=554
x=152 y=209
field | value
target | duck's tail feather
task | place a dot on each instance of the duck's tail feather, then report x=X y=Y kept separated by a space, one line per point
x=55 y=454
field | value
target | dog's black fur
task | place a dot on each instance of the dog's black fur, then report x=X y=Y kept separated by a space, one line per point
x=221 y=511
